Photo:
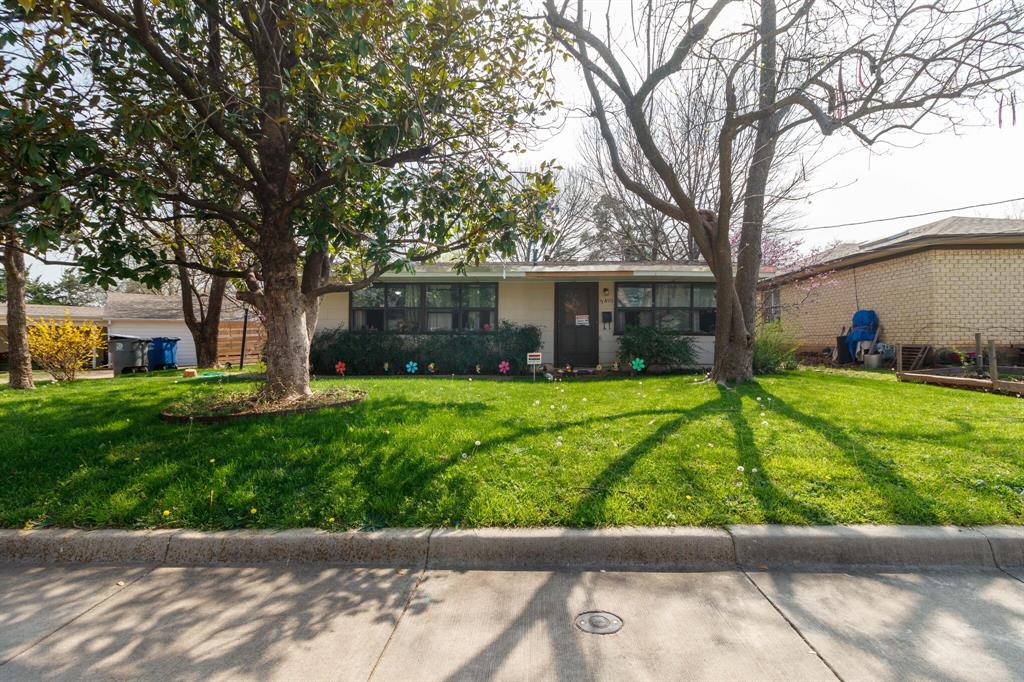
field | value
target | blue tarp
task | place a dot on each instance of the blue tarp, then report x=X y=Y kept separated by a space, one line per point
x=865 y=324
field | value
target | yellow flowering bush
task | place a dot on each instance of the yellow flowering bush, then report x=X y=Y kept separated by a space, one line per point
x=62 y=348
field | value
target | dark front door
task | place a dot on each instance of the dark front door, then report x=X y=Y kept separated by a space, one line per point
x=576 y=324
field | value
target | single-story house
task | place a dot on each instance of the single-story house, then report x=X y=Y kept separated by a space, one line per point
x=77 y=314
x=938 y=284
x=141 y=315
x=579 y=307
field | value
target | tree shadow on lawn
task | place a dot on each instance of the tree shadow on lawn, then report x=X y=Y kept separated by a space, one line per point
x=297 y=470
x=905 y=503
x=775 y=504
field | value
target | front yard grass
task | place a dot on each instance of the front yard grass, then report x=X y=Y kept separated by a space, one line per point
x=806 y=447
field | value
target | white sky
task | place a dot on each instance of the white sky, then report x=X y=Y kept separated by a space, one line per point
x=977 y=164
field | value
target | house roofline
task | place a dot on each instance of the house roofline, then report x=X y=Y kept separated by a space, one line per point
x=901 y=250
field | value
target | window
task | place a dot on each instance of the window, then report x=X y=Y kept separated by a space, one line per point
x=771 y=305
x=413 y=308
x=680 y=307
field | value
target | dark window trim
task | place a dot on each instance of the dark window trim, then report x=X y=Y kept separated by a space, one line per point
x=424 y=309
x=654 y=309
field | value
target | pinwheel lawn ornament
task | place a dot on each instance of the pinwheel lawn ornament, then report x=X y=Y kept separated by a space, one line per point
x=638 y=364
x=411 y=367
x=339 y=367
x=504 y=367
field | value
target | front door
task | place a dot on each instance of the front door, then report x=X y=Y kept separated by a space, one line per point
x=576 y=324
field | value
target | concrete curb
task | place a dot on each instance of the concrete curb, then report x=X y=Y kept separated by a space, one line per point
x=623 y=549
x=1007 y=544
x=881 y=546
x=401 y=548
x=651 y=549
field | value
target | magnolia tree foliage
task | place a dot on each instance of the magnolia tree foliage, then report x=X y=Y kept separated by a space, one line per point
x=47 y=154
x=333 y=137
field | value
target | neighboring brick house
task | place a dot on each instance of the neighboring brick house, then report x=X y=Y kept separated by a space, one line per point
x=937 y=284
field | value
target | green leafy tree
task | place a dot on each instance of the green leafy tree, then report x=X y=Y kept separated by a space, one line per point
x=335 y=139
x=70 y=289
x=47 y=154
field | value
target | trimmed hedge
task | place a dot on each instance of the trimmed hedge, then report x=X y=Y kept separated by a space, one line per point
x=656 y=347
x=455 y=353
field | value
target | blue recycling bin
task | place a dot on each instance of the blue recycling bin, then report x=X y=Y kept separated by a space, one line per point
x=163 y=353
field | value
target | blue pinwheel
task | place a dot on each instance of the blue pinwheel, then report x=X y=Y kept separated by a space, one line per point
x=411 y=367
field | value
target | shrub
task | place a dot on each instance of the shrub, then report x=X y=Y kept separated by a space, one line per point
x=656 y=347
x=774 y=349
x=63 y=348
x=366 y=352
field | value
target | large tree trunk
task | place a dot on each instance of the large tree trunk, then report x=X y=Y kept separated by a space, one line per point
x=207 y=345
x=204 y=326
x=734 y=352
x=283 y=307
x=748 y=256
x=20 y=360
x=737 y=294
x=734 y=347
x=316 y=272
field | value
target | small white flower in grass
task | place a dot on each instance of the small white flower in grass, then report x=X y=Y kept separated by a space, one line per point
x=762 y=414
x=536 y=402
x=769 y=398
x=471 y=378
x=711 y=445
x=551 y=406
x=584 y=400
x=464 y=456
x=764 y=423
x=754 y=470
x=670 y=516
x=650 y=422
x=740 y=469
x=477 y=443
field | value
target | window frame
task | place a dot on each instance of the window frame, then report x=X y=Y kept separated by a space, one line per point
x=771 y=304
x=654 y=308
x=424 y=310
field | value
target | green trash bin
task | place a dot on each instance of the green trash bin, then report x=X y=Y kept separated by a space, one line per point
x=127 y=354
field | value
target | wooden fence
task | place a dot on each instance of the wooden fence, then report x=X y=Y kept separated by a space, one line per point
x=229 y=342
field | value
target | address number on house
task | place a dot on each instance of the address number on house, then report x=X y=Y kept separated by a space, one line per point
x=533 y=359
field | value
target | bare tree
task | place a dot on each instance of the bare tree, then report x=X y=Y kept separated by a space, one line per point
x=866 y=68
x=630 y=226
x=570 y=216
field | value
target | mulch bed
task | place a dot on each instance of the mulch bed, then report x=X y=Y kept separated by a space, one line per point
x=224 y=408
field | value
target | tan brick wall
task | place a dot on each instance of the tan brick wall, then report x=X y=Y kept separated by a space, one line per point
x=982 y=290
x=939 y=297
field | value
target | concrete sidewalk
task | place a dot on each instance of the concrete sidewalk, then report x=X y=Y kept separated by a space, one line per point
x=72 y=621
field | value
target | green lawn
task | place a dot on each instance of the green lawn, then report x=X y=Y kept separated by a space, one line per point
x=815 y=448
